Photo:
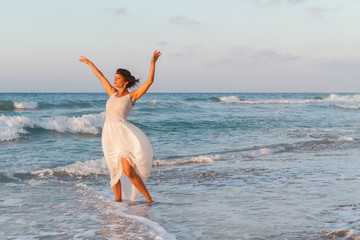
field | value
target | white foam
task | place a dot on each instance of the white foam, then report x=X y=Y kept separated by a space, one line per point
x=78 y=169
x=81 y=185
x=353 y=107
x=345 y=139
x=89 y=123
x=25 y=105
x=45 y=172
x=87 y=168
x=334 y=234
x=154 y=227
x=234 y=99
x=330 y=98
x=199 y=159
x=12 y=126
x=258 y=153
x=109 y=207
x=152 y=102
x=343 y=98
x=230 y=99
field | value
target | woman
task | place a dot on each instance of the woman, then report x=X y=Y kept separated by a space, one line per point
x=126 y=148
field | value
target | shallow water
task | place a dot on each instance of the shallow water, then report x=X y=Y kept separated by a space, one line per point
x=226 y=166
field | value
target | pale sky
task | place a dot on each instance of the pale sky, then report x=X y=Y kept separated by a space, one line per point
x=207 y=45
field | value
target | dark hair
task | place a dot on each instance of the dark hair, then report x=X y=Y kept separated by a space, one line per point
x=132 y=81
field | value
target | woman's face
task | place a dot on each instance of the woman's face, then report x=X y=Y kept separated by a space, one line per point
x=119 y=81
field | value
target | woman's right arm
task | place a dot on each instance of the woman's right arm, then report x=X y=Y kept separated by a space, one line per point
x=107 y=86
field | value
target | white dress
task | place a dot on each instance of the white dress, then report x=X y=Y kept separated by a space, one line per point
x=122 y=139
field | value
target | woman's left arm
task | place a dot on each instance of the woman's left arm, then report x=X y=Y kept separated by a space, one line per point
x=136 y=94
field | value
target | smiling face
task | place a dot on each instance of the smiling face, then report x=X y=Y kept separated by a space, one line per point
x=119 y=81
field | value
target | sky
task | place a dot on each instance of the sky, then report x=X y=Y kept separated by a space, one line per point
x=206 y=45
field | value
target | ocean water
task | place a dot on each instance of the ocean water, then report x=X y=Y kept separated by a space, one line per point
x=226 y=166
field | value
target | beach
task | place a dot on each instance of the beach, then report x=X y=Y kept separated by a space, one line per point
x=226 y=166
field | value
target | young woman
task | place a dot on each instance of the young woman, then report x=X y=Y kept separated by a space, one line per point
x=126 y=148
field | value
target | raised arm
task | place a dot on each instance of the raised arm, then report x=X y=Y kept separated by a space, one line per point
x=107 y=86
x=136 y=94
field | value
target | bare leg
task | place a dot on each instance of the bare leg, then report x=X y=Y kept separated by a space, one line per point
x=135 y=179
x=117 y=191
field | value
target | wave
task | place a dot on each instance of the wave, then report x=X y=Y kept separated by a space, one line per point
x=78 y=169
x=25 y=105
x=11 y=127
x=123 y=215
x=194 y=99
x=234 y=99
x=15 y=105
x=330 y=98
x=98 y=167
x=341 y=234
x=91 y=168
x=307 y=146
x=4 y=177
x=352 y=107
x=198 y=159
x=152 y=102
x=66 y=105
x=343 y=98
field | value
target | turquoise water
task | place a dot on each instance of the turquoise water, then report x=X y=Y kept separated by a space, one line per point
x=226 y=166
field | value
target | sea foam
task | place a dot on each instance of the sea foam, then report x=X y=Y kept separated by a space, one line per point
x=330 y=98
x=25 y=105
x=12 y=126
x=352 y=107
x=87 y=168
x=120 y=211
x=89 y=123
x=198 y=159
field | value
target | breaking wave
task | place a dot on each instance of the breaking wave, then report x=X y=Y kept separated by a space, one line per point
x=352 y=107
x=330 y=98
x=16 y=105
x=199 y=159
x=11 y=127
x=98 y=167
x=13 y=105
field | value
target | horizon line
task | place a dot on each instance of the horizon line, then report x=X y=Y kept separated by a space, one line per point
x=196 y=92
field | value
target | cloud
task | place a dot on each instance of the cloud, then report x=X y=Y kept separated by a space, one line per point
x=120 y=11
x=277 y=2
x=247 y=57
x=262 y=54
x=163 y=43
x=295 y=1
x=183 y=20
x=315 y=11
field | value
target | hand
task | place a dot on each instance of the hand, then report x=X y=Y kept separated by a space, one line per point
x=84 y=60
x=155 y=56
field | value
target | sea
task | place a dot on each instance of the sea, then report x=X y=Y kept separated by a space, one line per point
x=226 y=166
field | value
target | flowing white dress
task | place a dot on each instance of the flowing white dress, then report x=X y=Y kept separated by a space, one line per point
x=122 y=139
